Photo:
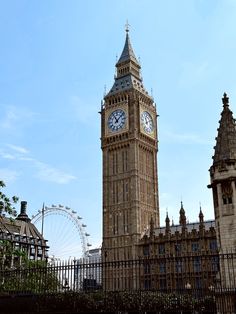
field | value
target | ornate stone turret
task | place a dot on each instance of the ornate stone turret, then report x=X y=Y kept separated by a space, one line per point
x=182 y=217
x=128 y=75
x=167 y=224
x=201 y=222
x=201 y=216
x=127 y=62
x=225 y=148
x=223 y=179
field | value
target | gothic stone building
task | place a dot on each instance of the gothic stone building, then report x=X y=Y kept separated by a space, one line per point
x=181 y=254
x=130 y=188
x=129 y=149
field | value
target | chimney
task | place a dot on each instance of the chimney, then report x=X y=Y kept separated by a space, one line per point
x=23 y=216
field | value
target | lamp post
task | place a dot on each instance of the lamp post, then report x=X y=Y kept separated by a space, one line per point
x=188 y=288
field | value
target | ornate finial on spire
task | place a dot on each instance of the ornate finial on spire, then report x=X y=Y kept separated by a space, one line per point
x=167 y=218
x=105 y=90
x=225 y=100
x=127 y=26
x=201 y=216
x=167 y=223
x=182 y=216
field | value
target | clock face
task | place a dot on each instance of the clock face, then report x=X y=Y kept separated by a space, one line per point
x=147 y=122
x=116 y=120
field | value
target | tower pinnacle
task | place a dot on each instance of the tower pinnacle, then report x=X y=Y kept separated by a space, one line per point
x=127 y=54
x=225 y=148
x=128 y=69
x=225 y=100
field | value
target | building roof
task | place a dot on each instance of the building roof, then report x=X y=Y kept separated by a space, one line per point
x=14 y=226
x=127 y=53
x=128 y=71
x=189 y=226
x=20 y=226
x=125 y=83
x=225 y=148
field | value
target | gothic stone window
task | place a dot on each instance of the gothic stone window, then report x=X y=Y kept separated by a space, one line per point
x=215 y=263
x=215 y=197
x=197 y=264
x=177 y=248
x=161 y=249
x=163 y=284
x=146 y=250
x=162 y=268
x=179 y=266
x=227 y=193
x=213 y=245
x=195 y=247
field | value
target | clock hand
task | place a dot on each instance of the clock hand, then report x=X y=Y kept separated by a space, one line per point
x=116 y=120
x=119 y=117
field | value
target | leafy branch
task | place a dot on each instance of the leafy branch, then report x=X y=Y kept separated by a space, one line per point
x=6 y=203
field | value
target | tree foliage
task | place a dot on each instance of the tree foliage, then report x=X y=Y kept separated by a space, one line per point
x=7 y=203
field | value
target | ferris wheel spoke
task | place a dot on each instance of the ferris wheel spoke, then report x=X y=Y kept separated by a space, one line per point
x=64 y=231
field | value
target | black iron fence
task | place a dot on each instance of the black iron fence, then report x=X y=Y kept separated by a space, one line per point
x=168 y=284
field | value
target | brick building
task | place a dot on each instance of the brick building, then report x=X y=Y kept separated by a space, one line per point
x=20 y=235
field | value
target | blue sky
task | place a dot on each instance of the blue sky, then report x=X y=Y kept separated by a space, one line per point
x=56 y=58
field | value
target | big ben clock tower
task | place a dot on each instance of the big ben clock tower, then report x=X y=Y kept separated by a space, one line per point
x=129 y=150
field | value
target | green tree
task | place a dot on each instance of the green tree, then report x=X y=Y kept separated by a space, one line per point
x=32 y=277
x=7 y=204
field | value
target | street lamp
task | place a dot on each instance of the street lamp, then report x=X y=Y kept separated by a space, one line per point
x=188 y=286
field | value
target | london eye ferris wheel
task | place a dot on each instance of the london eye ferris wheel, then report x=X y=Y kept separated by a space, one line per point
x=65 y=231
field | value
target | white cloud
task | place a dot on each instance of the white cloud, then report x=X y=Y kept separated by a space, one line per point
x=18 y=149
x=13 y=118
x=48 y=173
x=8 y=175
x=6 y=155
x=41 y=170
x=9 y=119
x=16 y=154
